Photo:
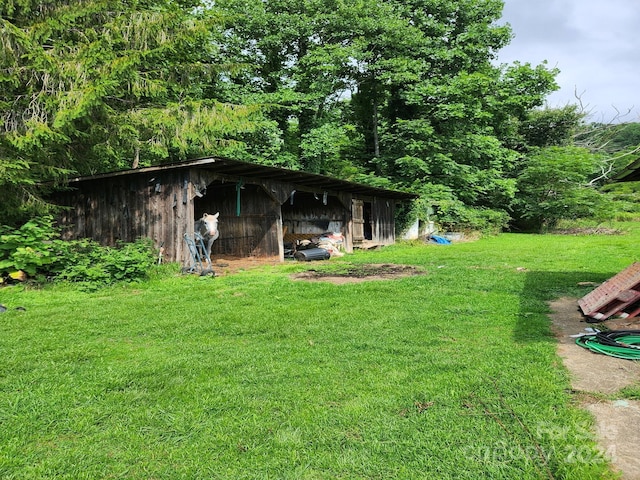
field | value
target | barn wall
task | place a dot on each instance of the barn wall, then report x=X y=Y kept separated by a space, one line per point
x=307 y=213
x=163 y=205
x=384 y=211
x=126 y=208
x=379 y=221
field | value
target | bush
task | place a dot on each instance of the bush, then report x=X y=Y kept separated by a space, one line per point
x=88 y=262
x=440 y=204
x=29 y=248
x=456 y=216
x=36 y=250
x=554 y=185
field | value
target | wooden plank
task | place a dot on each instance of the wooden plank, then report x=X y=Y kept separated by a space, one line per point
x=604 y=301
x=357 y=217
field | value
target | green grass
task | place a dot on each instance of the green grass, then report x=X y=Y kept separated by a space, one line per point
x=448 y=375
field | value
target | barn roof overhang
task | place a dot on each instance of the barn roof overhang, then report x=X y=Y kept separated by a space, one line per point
x=245 y=170
x=630 y=174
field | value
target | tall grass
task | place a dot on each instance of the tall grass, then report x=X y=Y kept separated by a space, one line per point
x=449 y=375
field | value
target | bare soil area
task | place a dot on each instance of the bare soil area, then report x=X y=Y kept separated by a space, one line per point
x=355 y=273
x=595 y=376
x=321 y=270
x=228 y=265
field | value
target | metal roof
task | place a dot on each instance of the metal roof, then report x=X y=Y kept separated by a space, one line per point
x=247 y=170
x=630 y=174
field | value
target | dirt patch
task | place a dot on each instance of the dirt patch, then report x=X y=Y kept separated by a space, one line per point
x=355 y=273
x=334 y=272
x=229 y=265
x=594 y=376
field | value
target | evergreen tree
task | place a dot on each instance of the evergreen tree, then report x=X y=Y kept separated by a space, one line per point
x=91 y=86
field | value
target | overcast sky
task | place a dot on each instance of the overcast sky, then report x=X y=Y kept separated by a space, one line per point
x=594 y=43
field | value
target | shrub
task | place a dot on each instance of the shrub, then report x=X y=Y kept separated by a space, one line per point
x=456 y=216
x=440 y=203
x=28 y=248
x=554 y=185
x=36 y=250
x=88 y=262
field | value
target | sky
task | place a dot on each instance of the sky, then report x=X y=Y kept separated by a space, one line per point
x=594 y=43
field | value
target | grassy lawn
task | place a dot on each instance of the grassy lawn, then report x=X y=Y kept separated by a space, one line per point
x=448 y=375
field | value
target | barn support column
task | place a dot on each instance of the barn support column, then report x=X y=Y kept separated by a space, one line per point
x=346 y=200
x=276 y=194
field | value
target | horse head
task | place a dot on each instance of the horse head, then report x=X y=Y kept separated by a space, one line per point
x=209 y=225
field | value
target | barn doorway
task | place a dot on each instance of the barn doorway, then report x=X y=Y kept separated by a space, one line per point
x=306 y=213
x=248 y=220
x=367 y=211
x=221 y=197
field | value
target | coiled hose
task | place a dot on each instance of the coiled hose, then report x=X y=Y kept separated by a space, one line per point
x=616 y=343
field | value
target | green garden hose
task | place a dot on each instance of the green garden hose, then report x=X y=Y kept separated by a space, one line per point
x=616 y=343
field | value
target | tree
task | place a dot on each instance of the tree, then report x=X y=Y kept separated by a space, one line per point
x=418 y=97
x=549 y=127
x=449 y=121
x=90 y=86
x=401 y=94
x=554 y=185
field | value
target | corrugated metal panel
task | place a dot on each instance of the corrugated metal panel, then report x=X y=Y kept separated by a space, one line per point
x=631 y=173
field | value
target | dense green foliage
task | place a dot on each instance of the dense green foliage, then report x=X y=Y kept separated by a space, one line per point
x=552 y=187
x=100 y=85
x=399 y=94
x=28 y=248
x=35 y=250
x=94 y=266
x=450 y=375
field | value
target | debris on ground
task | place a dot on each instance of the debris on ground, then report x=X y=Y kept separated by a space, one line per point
x=594 y=378
x=331 y=242
x=4 y=309
x=312 y=254
x=619 y=296
x=438 y=240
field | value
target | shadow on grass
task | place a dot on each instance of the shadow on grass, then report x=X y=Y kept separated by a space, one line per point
x=540 y=288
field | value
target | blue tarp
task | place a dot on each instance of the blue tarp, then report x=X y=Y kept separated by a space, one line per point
x=440 y=240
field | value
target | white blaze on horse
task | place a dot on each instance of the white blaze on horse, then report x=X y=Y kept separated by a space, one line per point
x=207 y=228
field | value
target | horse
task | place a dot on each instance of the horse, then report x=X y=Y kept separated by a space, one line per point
x=207 y=228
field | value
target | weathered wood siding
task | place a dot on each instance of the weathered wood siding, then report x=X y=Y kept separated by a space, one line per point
x=357 y=217
x=377 y=223
x=311 y=213
x=164 y=204
x=130 y=207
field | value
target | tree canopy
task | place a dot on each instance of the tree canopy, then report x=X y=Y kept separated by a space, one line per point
x=92 y=86
x=403 y=94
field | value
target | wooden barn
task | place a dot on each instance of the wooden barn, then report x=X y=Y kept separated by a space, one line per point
x=261 y=208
